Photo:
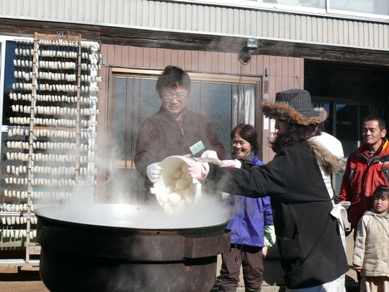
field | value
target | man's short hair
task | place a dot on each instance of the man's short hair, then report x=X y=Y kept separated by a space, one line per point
x=381 y=121
x=171 y=78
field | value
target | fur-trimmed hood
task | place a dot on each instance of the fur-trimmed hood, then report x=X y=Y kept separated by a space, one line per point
x=328 y=152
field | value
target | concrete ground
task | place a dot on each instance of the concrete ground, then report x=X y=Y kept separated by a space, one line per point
x=273 y=275
x=27 y=280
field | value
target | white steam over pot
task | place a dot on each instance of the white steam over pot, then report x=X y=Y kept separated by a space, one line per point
x=184 y=205
x=207 y=212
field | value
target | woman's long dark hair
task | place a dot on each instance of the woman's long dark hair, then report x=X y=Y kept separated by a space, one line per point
x=295 y=133
x=248 y=133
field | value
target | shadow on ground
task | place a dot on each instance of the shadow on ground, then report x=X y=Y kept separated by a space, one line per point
x=20 y=275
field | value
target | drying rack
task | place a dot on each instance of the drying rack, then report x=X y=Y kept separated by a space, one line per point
x=51 y=141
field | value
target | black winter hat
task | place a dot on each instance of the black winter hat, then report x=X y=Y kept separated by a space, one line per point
x=294 y=106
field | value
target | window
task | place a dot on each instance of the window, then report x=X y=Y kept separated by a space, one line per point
x=377 y=9
x=362 y=6
x=302 y=3
x=225 y=100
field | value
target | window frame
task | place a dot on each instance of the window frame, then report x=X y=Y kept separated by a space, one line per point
x=260 y=5
x=252 y=80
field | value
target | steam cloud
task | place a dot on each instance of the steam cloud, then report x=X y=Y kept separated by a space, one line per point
x=125 y=209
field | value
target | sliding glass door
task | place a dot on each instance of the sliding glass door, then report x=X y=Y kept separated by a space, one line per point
x=224 y=100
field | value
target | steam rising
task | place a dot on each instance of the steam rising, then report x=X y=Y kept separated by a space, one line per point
x=125 y=208
x=206 y=212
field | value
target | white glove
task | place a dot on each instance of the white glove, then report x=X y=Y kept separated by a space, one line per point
x=209 y=154
x=154 y=172
x=270 y=235
x=198 y=170
x=232 y=163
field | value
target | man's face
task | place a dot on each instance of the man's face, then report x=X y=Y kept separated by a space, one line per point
x=372 y=134
x=174 y=100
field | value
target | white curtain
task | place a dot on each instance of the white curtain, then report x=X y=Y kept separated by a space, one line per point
x=244 y=105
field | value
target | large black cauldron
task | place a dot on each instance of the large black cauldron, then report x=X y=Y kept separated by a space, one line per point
x=87 y=257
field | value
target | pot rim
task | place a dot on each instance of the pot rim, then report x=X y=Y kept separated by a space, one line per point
x=42 y=212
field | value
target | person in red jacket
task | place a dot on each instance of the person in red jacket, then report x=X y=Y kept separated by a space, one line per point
x=366 y=169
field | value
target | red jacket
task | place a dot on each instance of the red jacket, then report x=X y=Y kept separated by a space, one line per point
x=362 y=176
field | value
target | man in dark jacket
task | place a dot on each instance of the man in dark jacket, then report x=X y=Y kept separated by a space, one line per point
x=173 y=129
x=312 y=255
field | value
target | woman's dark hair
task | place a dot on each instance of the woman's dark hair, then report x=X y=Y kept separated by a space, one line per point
x=173 y=77
x=248 y=133
x=381 y=192
x=295 y=133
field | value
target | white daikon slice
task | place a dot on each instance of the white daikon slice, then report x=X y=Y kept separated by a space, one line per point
x=181 y=184
x=184 y=168
x=177 y=174
x=174 y=198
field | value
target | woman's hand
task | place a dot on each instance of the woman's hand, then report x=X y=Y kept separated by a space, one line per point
x=270 y=235
x=198 y=170
x=232 y=163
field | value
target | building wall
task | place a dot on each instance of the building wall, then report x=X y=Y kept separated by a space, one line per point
x=206 y=19
x=284 y=72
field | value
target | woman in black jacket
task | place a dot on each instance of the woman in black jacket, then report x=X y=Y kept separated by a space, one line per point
x=312 y=255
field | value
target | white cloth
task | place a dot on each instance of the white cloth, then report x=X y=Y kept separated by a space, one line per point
x=340 y=213
x=270 y=235
x=338 y=285
x=209 y=154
